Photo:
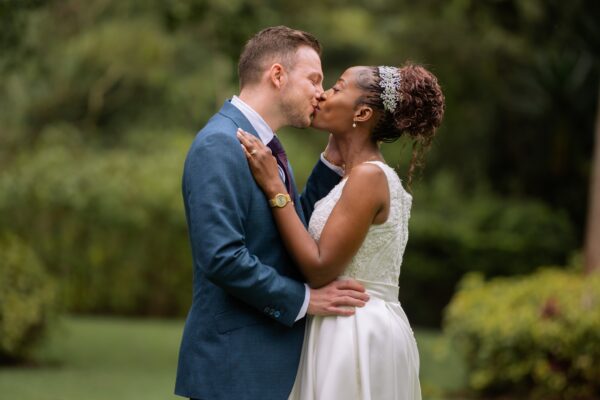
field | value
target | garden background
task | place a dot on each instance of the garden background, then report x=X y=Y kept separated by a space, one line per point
x=100 y=99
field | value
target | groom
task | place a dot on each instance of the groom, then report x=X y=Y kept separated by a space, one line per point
x=243 y=334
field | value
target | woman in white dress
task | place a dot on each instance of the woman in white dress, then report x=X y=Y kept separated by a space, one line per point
x=359 y=230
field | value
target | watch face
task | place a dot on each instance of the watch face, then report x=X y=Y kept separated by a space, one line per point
x=280 y=200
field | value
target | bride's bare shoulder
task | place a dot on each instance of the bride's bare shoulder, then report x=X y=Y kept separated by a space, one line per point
x=367 y=177
x=367 y=171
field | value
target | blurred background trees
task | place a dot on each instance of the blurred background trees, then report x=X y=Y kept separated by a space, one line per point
x=100 y=99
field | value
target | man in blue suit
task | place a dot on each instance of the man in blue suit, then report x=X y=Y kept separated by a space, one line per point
x=244 y=332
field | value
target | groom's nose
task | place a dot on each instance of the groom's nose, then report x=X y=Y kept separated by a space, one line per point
x=320 y=91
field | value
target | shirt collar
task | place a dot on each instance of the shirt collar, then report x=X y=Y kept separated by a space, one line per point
x=262 y=128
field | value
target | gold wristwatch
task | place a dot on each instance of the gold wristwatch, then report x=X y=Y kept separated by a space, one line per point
x=280 y=200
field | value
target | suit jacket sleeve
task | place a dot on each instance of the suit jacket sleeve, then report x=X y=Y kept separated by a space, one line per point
x=320 y=182
x=217 y=185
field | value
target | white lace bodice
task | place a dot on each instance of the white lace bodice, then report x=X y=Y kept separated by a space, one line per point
x=380 y=256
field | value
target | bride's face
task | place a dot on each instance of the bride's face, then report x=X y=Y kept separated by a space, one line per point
x=336 y=109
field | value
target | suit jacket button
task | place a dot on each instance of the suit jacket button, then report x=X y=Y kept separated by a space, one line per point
x=277 y=314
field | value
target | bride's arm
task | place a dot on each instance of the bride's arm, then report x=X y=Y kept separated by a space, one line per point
x=364 y=196
x=323 y=261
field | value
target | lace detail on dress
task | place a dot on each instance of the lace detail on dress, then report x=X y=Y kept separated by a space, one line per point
x=380 y=256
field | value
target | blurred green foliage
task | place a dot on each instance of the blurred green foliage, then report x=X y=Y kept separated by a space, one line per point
x=452 y=233
x=109 y=223
x=27 y=299
x=536 y=337
x=520 y=76
x=99 y=100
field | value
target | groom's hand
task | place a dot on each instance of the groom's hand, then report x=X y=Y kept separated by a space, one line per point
x=332 y=153
x=337 y=298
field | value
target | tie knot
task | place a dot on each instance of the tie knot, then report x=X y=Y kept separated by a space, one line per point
x=276 y=146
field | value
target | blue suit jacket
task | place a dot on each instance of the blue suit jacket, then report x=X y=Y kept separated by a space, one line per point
x=240 y=340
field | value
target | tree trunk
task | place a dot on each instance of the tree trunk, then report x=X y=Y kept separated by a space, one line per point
x=592 y=237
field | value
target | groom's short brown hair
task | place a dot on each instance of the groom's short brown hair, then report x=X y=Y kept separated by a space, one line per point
x=274 y=44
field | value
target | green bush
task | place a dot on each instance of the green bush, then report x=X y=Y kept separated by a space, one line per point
x=109 y=223
x=27 y=299
x=536 y=336
x=452 y=232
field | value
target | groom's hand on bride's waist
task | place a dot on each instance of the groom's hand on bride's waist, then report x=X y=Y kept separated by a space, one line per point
x=340 y=297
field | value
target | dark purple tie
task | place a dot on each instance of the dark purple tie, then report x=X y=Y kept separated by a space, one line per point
x=279 y=153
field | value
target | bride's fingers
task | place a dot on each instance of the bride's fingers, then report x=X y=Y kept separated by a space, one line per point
x=248 y=155
x=253 y=156
x=243 y=139
x=252 y=143
x=248 y=138
x=244 y=133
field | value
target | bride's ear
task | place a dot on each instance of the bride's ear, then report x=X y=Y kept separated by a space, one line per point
x=363 y=114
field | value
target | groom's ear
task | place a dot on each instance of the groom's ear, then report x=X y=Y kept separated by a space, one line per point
x=277 y=75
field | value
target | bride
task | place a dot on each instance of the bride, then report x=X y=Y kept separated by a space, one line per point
x=359 y=230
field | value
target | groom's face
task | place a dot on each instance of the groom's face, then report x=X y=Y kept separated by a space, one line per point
x=303 y=88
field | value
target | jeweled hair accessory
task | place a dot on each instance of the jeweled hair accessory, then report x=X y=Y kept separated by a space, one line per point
x=390 y=83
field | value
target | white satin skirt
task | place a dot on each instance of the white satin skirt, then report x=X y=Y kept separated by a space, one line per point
x=371 y=355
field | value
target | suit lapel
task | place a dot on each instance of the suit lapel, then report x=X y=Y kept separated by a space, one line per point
x=232 y=112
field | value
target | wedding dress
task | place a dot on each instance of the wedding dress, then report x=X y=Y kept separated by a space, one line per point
x=373 y=354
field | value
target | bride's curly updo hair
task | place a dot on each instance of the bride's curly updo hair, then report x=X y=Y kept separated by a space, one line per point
x=418 y=107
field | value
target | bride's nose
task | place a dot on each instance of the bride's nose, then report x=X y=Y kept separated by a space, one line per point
x=323 y=96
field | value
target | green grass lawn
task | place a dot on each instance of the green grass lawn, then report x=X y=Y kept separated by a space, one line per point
x=112 y=359
x=442 y=372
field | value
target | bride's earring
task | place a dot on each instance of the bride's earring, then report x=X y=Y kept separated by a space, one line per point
x=354 y=124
